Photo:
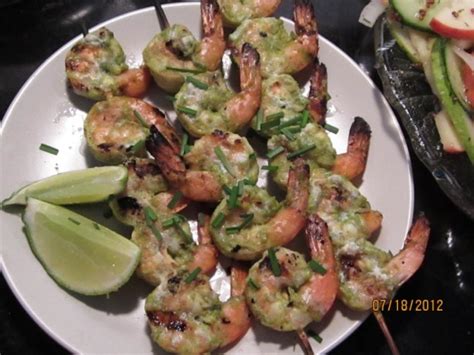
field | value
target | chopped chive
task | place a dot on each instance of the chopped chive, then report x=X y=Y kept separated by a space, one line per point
x=155 y=231
x=252 y=284
x=234 y=194
x=301 y=151
x=235 y=229
x=288 y=134
x=108 y=213
x=197 y=83
x=176 y=197
x=181 y=231
x=218 y=221
x=74 y=221
x=227 y=189
x=150 y=215
x=184 y=144
x=240 y=187
x=330 y=128
x=275 y=265
x=293 y=129
x=304 y=118
x=96 y=226
x=270 y=168
x=273 y=116
x=192 y=275
x=187 y=110
x=170 y=98
x=48 y=149
x=315 y=336
x=252 y=156
x=291 y=122
x=270 y=124
x=139 y=116
x=274 y=152
x=316 y=267
x=184 y=70
x=259 y=119
x=248 y=182
x=220 y=154
x=169 y=222
x=137 y=147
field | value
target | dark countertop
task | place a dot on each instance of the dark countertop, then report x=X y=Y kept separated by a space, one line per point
x=33 y=30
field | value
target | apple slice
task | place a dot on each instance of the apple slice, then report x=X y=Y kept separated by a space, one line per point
x=455 y=20
x=447 y=134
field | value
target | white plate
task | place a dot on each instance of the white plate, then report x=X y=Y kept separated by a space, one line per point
x=45 y=112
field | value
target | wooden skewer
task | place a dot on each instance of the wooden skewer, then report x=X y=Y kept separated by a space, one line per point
x=386 y=332
x=84 y=29
x=164 y=23
x=303 y=337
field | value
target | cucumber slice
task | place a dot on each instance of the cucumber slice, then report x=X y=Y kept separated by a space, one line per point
x=77 y=253
x=401 y=35
x=81 y=186
x=453 y=67
x=459 y=117
x=416 y=13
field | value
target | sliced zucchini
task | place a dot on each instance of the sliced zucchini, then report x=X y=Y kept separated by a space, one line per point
x=453 y=67
x=417 y=13
x=459 y=117
x=401 y=35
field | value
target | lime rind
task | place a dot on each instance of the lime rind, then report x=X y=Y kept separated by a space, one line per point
x=76 y=252
x=81 y=186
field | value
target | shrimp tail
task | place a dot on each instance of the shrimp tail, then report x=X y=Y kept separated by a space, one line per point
x=318 y=92
x=250 y=67
x=306 y=27
x=206 y=254
x=324 y=287
x=160 y=13
x=409 y=259
x=298 y=188
x=352 y=164
x=170 y=164
x=210 y=13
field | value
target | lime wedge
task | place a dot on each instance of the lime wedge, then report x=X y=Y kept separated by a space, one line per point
x=81 y=186
x=77 y=253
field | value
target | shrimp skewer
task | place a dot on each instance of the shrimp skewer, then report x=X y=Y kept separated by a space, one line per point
x=298 y=295
x=96 y=68
x=205 y=103
x=258 y=221
x=174 y=51
x=279 y=51
x=186 y=316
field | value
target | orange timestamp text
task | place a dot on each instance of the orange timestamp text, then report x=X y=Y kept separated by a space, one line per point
x=404 y=305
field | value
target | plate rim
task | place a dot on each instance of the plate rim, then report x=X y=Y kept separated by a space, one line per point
x=411 y=191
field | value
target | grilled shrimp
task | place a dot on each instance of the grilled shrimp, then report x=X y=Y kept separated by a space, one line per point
x=186 y=316
x=367 y=273
x=175 y=51
x=215 y=160
x=116 y=129
x=297 y=295
x=258 y=221
x=283 y=103
x=146 y=187
x=168 y=248
x=205 y=103
x=312 y=141
x=279 y=50
x=338 y=202
x=95 y=68
x=235 y=12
